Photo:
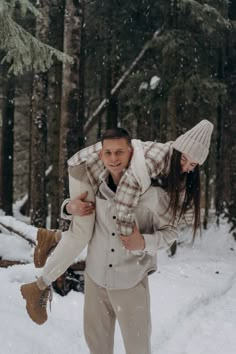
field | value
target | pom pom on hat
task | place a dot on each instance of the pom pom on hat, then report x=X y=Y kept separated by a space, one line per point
x=195 y=143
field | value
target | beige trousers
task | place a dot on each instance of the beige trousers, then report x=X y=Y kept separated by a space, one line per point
x=131 y=307
x=79 y=233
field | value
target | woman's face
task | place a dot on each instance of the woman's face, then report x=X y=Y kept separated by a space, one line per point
x=187 y=164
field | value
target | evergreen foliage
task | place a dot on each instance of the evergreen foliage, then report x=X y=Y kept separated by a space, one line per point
x=186 y=74
x=186 y=57
x=23 y=50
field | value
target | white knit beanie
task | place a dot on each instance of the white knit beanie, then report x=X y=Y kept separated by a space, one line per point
x=195 y=143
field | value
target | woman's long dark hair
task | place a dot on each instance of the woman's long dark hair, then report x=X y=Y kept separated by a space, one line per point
x=183 y=190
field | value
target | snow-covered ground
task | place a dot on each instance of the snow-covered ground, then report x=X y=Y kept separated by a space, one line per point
x=193 y=301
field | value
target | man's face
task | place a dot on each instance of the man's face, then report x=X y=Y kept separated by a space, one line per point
x=116 y=154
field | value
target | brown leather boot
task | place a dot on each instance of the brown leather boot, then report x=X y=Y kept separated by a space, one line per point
x=36 y=301
x=47 y=241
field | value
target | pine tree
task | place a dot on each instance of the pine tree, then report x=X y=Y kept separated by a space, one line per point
x=22 y=50
x=185 y=58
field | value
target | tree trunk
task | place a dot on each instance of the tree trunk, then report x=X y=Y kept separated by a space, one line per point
x=1 y=161
x=39 y=131
x=81 y=110
x=71 y=134
x=2 y=100
x=143 y=126
x=171 y=109
x=57 y=12
x=174 y=13
x=7 y=143
x=206 y=194
x=111 y=74
x=27 y=110
x=219 y=145
x=100 y=96
x=163 y=122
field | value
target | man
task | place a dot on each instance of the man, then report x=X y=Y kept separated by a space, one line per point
x=116 y=283
x=117 y=267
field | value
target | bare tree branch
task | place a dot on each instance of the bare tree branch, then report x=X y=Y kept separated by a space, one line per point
x=101 y=107
x=18 y=233
x=4 y=263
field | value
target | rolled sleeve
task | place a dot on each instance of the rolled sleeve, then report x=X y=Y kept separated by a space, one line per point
x=64 y=215
x=163 y=238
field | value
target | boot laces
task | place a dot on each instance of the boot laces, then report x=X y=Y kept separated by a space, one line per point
x=46 y=295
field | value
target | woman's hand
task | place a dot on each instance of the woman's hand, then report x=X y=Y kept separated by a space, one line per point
x=134 y=241
x=80 y=207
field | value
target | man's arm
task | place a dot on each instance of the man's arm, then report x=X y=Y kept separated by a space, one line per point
x=161 y=238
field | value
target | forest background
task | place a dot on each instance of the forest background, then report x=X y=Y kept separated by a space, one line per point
x=155 y=67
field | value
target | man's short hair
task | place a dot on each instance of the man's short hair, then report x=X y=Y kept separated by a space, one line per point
x=116 y=133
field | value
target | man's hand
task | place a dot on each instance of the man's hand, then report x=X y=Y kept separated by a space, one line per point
x=134 y=241
x=79 y=207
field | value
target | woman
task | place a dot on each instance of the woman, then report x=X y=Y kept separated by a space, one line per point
x=182 y=183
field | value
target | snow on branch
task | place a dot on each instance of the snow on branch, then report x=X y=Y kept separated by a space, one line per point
x=5 y=263
x=24 y=6
x=27 y=232
x=24 y=51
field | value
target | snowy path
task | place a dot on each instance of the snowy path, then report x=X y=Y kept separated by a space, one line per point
x=193 y=298
x=206 y=323
x=200 y=305
x=210 y=328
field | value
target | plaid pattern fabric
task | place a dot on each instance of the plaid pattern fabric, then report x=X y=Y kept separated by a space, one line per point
x=128 y=191
x=157 y=157
x=127 y=197
x=83 y=155
x=94 y=165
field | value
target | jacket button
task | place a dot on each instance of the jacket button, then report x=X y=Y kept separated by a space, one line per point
x=112 y=250
x=110 y=265
x=113 y=234
x=114 y=217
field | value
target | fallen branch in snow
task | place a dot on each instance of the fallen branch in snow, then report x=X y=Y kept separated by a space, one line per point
x=18 y=233
x=4 y=263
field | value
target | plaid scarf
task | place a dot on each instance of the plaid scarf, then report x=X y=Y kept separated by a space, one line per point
x=157 y=157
